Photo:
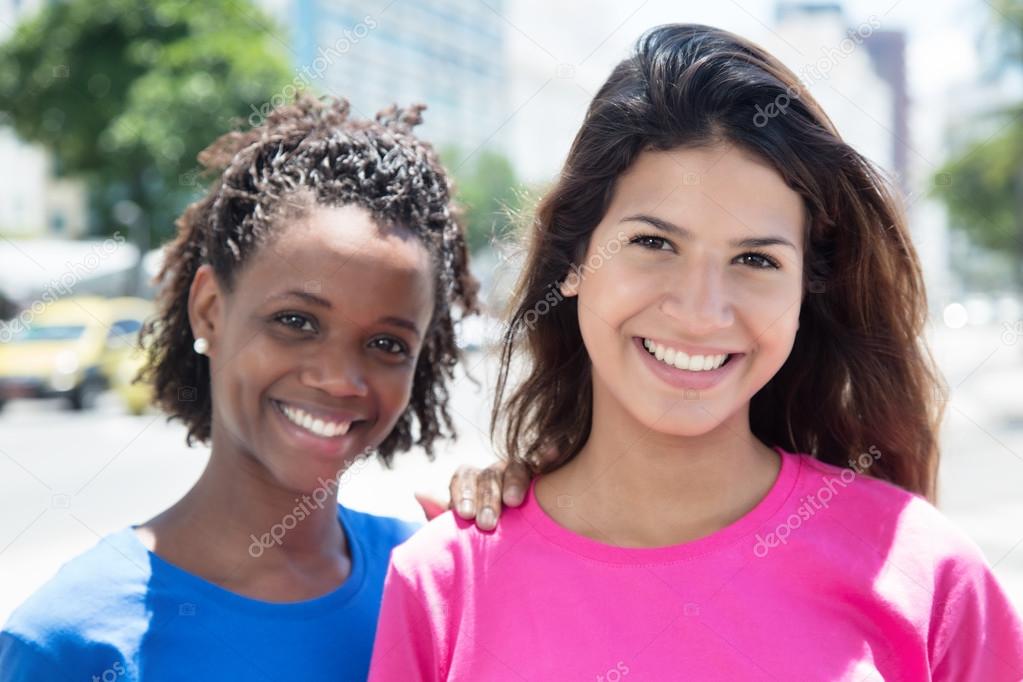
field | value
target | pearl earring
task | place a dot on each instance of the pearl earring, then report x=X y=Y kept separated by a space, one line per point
x=201 y=345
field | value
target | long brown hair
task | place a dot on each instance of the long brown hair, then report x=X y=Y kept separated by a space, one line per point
x=859 y=377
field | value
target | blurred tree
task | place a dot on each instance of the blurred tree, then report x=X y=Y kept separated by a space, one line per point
x=126 y=93
x=489 y=192
x=982 y=184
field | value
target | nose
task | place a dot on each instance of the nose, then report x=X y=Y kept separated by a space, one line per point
x=698 y=298
x=336 y=373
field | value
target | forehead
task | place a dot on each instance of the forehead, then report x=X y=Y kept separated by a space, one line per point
x=343 y=253
x=720 y=185
x=322 y=234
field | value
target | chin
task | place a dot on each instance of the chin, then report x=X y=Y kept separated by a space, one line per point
x=684 y=418
x=300 y=477
x=310 y=482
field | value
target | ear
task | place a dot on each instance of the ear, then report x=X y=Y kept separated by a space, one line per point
x=205 y=306
x=570 y=285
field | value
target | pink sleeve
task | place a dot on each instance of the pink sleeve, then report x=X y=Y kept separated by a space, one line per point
x=404 y=648
x=978 y=632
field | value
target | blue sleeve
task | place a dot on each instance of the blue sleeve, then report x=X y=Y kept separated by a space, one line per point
x=23 y=661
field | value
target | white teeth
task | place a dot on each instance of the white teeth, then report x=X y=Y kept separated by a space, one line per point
x=680 y=360
x=313 y=425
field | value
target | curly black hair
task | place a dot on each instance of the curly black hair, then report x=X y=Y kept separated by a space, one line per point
x=312 y=153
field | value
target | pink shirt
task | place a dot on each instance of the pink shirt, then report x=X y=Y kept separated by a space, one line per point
x=832 y=576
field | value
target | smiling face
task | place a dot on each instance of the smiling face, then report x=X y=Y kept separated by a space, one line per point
x=313 y=352
x=699 y=256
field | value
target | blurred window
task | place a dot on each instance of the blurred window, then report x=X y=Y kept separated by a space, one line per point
x=123 y=333
x=123 y=327
x=55 y=332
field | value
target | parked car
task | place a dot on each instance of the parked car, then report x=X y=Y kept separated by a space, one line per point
x=72 y=349
x=124 y=356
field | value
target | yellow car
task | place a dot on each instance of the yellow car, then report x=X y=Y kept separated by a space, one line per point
x=72 y=348
x=124 y=356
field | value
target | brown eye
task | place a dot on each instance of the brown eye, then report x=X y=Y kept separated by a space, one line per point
x=649 y=242
x=295 y=321
x=389 y=345
x=761 y=261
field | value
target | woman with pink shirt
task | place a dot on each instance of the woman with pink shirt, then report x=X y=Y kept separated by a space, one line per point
x=721 y=317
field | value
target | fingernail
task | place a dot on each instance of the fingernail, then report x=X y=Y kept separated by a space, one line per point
x=465 y=508
x=513 y=496
x=487 y=518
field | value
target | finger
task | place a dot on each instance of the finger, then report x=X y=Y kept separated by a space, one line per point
x=488 y=497
x=514 y=484
x=432 y=507
x=463 y=491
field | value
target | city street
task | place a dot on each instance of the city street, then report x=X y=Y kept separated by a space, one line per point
x=68 y=478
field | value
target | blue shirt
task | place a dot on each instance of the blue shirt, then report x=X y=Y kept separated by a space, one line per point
x=119 y=613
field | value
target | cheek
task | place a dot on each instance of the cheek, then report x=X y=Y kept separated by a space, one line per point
x=616 y=292
x=244 y=377
x=393 y=389
x=771 y=311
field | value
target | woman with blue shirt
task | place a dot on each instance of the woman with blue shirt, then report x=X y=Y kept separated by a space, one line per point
x=305 y=321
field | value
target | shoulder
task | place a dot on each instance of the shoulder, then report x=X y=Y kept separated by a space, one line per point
x=84 y=588
x=449 y=548
x=433 y=547
x=433 y=579
x=71 y=616
x=905 y=524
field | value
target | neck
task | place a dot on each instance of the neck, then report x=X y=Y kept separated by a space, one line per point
x=238 y=512
x=633 y=486
x=236 y=495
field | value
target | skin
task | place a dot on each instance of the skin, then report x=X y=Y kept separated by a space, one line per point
x=322 y=349
x=663 y=466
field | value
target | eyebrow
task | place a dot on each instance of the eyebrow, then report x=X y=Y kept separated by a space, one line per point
x=671 y=228
x=304 y=295
x=324 y=303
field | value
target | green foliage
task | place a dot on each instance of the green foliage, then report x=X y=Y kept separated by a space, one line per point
x=488 y=191
x=982 y=184
x=979 y=186
x=126 y=93
x=1007 y=33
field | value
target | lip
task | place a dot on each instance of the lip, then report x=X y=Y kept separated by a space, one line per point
x=683 y=378
x=333 y=446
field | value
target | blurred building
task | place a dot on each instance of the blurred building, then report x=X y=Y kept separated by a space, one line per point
x=33 y=202
x=448 y=54
x=863 y=89
x=887 y=50
x=858 y=73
